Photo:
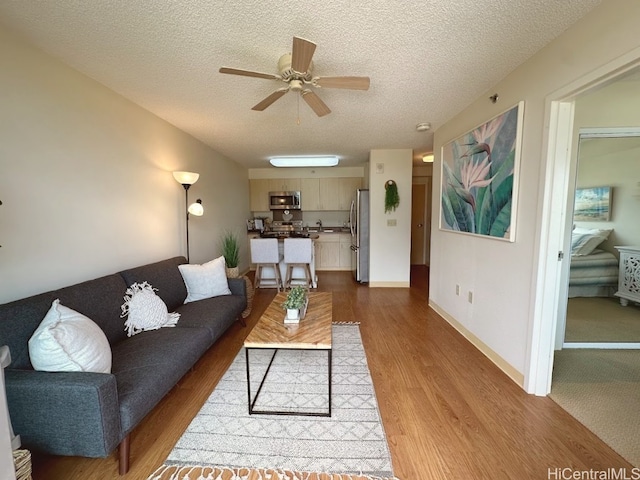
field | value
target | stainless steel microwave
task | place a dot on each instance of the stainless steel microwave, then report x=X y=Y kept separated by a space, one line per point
x=284 y=200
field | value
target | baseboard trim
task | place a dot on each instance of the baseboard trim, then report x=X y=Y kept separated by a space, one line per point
x=389 y=284
x=511 y=372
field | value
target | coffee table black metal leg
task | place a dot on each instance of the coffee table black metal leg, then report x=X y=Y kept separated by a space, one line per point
x=252 y=403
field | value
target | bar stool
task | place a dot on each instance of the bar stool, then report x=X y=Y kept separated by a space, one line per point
x=298 y=252
x=264 y=253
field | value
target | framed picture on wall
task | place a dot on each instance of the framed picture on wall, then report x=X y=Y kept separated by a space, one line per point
x=480 y=169
x=592 y=204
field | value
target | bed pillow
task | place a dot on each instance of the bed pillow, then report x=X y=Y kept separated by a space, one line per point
x=585 y=240
x=206 y=280
x=67 y=341
x=145 y=310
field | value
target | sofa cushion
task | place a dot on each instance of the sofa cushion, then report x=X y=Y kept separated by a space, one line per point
x=148 y=365
x=206 y=280
x=99 y=299
x=67 y=341
x=164 y=276
x=215 y=314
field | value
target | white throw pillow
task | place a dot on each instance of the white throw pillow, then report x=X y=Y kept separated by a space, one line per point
x=206 y=280
x=145 y=310
x=67 y=341
x=585 y=240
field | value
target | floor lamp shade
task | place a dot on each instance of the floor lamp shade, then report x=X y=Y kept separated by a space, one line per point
x=186 y=178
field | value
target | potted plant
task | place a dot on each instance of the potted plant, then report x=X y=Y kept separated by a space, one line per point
x=231 y=254
x=295 y=302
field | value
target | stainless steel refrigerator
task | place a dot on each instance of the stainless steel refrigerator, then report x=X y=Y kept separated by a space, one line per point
x=359 y=222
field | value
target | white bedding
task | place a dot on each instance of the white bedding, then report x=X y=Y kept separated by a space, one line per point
x=594 y=275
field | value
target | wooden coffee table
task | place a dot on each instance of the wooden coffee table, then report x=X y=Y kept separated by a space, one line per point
x=312 y=333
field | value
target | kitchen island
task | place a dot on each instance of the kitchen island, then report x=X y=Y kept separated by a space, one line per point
x=298 y=272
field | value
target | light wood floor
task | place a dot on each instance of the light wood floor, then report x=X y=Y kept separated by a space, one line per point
x=448 y=412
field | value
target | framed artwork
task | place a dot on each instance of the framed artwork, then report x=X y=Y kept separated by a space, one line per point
x=478 y=187
x=592 y=204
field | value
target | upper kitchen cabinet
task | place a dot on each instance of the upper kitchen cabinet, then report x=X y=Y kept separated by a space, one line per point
x=316 y=194
x=259 y=189
x=337 y=193
x=284 y=184
x=310 y=194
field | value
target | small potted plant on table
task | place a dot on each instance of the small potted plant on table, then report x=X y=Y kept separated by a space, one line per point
x=295 y=304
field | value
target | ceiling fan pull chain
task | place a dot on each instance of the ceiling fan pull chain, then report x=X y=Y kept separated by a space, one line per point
x=298 y=121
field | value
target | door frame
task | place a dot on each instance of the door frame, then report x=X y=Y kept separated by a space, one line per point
x=560 y=343
x=553 y=191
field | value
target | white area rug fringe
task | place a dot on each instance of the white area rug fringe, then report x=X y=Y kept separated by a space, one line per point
x=173 y=472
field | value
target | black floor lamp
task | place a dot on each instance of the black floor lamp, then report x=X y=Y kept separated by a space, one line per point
x=186 y=179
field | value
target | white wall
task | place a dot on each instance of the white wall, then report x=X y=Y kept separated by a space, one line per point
x=390 y=246
x=86 y=183
x=503 y=275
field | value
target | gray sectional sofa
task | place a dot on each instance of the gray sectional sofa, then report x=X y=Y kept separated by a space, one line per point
x=90 y=414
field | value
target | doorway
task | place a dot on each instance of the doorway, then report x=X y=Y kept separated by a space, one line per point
x=420 y=222
x=593 y=316
x=559 y=170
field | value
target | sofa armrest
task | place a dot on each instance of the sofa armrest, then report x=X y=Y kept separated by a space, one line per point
x=65 y=413
x=237 y=286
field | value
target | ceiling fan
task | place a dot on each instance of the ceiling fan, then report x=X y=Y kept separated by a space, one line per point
x=296 y=70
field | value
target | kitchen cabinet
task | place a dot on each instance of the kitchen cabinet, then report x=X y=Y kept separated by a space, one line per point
x=259 y=189
x=317 y=194
x=328 y=252
x=345 y=251
x=336 y=193
x=333 y=251
x=310 y=194
x=284 y=184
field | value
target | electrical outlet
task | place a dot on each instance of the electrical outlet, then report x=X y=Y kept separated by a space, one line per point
x=470 y=297
x=458 y=290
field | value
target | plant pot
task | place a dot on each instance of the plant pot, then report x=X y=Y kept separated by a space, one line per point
x=293 y=313
x=233 y=272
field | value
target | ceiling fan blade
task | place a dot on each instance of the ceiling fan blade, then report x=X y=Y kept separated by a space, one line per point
x=270 y=99
x=248 y=73
x=302 y=54
x=351 y=83
x=316 y=104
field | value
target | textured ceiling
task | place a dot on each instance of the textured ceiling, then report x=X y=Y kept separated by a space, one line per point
x=427 y=61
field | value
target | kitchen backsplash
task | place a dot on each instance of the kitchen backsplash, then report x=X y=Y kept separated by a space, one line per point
x=329 y=219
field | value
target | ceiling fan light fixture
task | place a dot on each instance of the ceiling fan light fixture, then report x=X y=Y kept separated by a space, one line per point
x=322 y=161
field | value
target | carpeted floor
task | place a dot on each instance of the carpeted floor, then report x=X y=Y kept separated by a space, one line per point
x=594 y=319
x=351 y=441
x=601 y=389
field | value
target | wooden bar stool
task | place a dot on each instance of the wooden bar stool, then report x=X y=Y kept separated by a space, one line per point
x=298 y=252
x=264 y=253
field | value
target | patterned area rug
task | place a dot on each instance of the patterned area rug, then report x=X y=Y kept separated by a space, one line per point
x=225 y=442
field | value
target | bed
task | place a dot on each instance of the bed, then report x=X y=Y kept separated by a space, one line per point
x=593 y=275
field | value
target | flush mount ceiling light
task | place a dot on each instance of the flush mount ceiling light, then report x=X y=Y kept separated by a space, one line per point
x=428 y=158
x=324 y=161
x=423 y=127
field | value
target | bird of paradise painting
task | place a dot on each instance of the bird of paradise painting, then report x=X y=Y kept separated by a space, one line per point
x=479 y=172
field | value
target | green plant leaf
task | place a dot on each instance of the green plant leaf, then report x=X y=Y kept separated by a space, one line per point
x=461 y=210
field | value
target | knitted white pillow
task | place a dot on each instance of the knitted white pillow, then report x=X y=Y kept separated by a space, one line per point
x=67 y=341
x=206 y=280
x=145 y=310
